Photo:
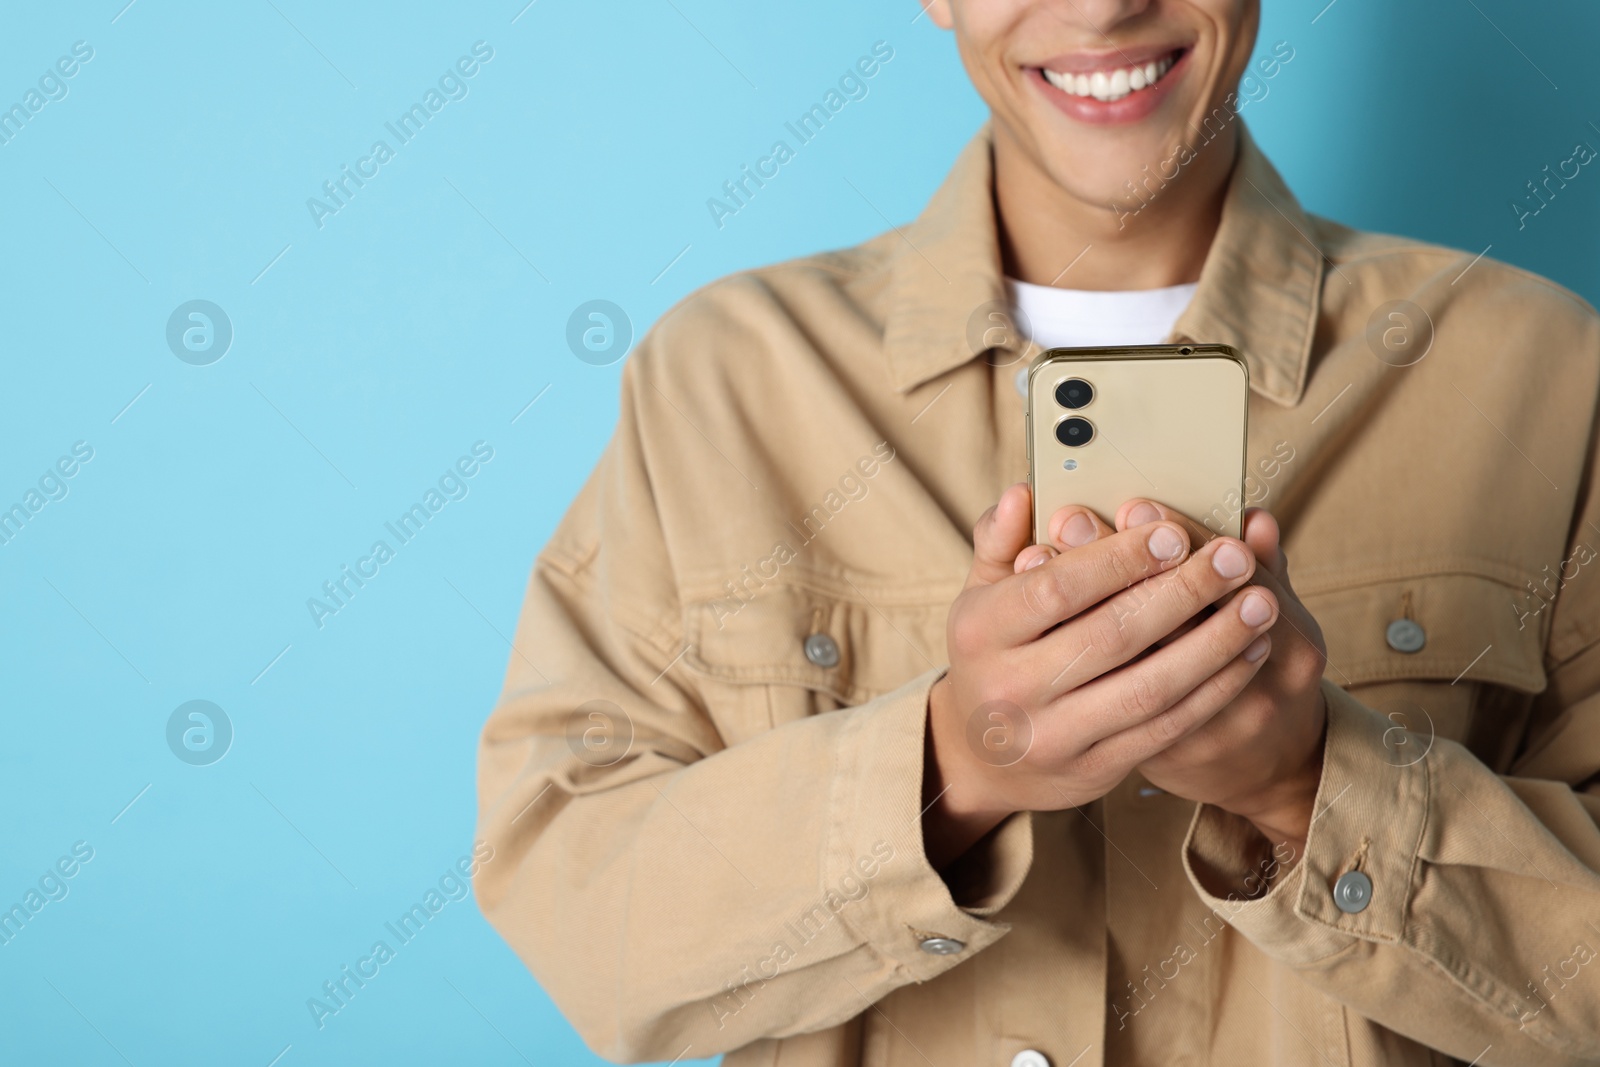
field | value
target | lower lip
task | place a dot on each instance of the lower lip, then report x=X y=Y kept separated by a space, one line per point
x=1131 y=108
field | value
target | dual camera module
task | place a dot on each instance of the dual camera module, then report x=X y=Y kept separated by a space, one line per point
x=1072 y=394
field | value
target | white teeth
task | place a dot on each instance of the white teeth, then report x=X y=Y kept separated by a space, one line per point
x=1111 y=85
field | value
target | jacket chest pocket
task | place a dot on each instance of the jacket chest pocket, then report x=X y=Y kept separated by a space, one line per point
x=793 y=651
x=1442 y=655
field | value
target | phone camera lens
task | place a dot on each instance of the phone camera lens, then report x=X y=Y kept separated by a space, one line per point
x=1074 y=432
x=1074 y=393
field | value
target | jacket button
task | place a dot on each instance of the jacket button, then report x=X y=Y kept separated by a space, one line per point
x=1405 y=635
x=942 y=946
x=822 y=650
x=1030 y=1058
x=1352 y=891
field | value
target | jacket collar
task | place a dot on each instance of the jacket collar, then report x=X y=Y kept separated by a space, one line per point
x=1258 y=289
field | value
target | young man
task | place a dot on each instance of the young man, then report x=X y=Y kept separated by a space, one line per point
x=744 y=785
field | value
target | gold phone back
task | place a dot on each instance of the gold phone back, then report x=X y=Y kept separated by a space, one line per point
x=1167 y=426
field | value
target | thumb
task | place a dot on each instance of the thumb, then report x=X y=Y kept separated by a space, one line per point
x=1000 y=534
x=1261 y=533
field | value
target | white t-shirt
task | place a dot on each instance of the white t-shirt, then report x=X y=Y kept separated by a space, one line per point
x=1079 y=318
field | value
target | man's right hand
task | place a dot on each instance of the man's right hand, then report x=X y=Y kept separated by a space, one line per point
x=1051 y=699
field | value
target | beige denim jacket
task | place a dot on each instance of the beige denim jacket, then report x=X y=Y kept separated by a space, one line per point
x=702 y=782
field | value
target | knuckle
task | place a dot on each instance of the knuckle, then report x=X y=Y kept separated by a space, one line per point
x=1182 y=585
x=1228 y=636
x=1126 y=565
x=1095 y=763
x=1229 y=681
x=1108 y=636
x=1309 y=668
x=1165 y=728
x=1258 y=716
x=1044 y=592
x=1143 y=697
x=981 y=527
x=966 y=632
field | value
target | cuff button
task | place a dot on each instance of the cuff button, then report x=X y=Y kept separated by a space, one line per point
x=1030 y=1058
x=1352 y=891
x=942 y=946
x=1405 y=635
x=822 y=650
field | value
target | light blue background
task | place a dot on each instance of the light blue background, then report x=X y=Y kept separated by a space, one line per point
x=378 y=348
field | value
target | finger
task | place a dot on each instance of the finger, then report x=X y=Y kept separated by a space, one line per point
x=1074 y=526
x=1033 y=556
x=1026 y=605
x=1134 y=701
x=1295 y=622
x=1218 y=730
x=1194 y=712
x=1141 y=510
x=1182 y=628
x=1262 y=534
x=1132 y=621
x=1000 y=533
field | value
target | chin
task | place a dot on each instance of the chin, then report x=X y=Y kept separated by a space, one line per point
x=1107 y=175
x=1116 y=169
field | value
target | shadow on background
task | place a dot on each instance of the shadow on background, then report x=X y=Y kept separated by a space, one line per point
x=1429 y=119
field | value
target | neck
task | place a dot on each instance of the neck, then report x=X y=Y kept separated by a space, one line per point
x=1044 y=227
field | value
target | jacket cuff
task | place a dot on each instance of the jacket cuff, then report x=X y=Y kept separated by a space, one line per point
x=1369 y=815
x=910 y=914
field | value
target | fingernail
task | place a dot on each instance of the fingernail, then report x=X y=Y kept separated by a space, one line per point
x=1142 y=513
x=1255 y=610
x=1032 y=563
x=1078 y=530
x=1257 y=649
x=1165 y=544
x=1230 y=560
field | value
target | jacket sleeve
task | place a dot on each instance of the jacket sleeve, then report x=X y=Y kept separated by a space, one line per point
x=676 y=896
x=1481 y=932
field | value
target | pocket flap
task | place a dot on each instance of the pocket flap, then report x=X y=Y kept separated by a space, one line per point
x=1469 y=627
x=879 y=645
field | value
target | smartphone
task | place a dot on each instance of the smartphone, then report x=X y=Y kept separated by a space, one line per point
x=1165 y=422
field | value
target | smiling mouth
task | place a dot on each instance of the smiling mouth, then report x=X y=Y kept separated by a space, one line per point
x=1113 y=83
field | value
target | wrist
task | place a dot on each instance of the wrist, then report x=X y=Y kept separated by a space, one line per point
x=1284 y=811
x=1287 y=818
x=956 y=809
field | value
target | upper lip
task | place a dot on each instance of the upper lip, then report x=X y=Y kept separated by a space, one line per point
x=1108 y=59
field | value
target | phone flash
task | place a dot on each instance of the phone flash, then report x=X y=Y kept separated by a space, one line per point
x=1069 y=464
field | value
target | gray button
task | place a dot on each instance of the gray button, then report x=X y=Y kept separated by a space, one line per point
x=1352 y=891
x=1030 y=1057
x=822 y=650
x=1404 y=635
x=942 y=946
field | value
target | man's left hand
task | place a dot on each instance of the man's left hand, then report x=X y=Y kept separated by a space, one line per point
x=1260 y=757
